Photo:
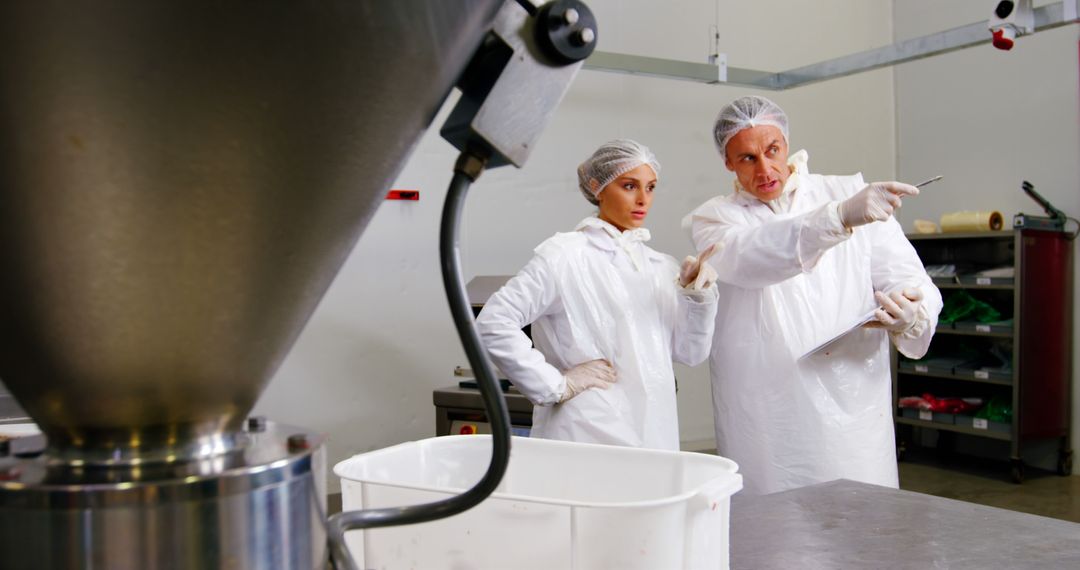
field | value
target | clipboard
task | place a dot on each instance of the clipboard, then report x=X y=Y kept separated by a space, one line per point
x=862 y=321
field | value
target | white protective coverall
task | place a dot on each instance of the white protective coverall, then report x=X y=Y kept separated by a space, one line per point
x=790 y=277
x=598 y=293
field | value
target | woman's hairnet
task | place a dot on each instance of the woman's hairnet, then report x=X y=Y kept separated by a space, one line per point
x=744 y=113
x=610 y=161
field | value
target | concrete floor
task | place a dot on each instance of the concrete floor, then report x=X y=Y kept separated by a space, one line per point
x=988 y=482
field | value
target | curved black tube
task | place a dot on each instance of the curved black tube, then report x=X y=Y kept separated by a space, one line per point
x=467 y=170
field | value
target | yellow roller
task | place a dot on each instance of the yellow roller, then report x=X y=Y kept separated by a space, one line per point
x=967 y=221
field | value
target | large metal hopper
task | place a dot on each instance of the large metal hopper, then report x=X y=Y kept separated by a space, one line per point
x=179 y=183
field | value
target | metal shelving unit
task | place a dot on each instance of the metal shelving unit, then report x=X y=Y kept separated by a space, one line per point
x=957 y=377
x=1040 y=299
x=955 y=428
x=973 y=287
x=976 y=333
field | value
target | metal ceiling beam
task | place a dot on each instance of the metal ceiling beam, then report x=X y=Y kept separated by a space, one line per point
x=1046 y=17
x=657 y=67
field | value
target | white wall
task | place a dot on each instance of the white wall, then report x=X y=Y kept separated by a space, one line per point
x=988 y=119
x=364 y=368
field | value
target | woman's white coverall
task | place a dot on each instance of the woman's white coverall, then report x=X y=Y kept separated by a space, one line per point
x=598 y=293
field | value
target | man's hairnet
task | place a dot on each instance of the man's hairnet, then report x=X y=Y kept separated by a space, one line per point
x=744 y=113
x=610 y=161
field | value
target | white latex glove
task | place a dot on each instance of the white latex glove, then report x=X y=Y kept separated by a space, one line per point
x=591 y=374
x=875 y=203
x=898 y=311
x=695 y=273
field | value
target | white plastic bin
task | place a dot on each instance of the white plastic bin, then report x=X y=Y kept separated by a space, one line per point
x=560 y=505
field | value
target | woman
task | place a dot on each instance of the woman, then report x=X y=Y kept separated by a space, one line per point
x=608 y=315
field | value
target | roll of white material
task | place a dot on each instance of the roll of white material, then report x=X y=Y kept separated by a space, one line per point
x=925 y=227
x=971 y=221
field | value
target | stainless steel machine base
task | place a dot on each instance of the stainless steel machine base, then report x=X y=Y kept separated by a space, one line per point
x=262 y=506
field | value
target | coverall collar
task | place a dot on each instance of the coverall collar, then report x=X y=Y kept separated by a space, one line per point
x=607 y=237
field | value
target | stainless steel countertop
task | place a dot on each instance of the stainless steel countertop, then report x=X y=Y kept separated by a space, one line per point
x=844 y=524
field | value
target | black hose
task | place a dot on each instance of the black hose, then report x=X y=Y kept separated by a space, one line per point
x=528 y=6
x=466 y=171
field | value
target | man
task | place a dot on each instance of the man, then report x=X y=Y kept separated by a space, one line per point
x=801 y=257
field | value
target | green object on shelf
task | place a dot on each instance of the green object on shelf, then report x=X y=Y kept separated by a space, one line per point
x=996 y=410
x=962 y=306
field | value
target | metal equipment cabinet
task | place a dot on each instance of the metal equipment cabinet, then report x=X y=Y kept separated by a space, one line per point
x=1039 y=340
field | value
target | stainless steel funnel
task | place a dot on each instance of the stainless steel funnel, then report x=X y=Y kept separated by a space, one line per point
x=179 y=183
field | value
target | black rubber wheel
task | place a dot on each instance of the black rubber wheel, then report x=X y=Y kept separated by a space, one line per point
x=1017 y=472
x=1065 y=463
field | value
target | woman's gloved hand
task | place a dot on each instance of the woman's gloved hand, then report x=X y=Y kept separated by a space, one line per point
x=695 y=273
x=591 y=374
x=899 y=310
x=875 y=203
